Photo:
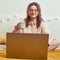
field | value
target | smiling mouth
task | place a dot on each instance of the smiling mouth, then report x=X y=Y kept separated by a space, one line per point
x=32 y=14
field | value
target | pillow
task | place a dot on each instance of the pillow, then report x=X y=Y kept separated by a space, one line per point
x=2 y=40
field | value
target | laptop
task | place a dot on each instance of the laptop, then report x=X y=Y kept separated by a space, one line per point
x=27 y=46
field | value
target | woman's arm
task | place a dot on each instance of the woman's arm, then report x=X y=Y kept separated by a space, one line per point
x=53 y=43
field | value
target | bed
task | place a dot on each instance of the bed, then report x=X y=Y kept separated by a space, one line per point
x=52 y=55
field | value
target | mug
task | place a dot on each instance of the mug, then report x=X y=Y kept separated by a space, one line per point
x=21 y=25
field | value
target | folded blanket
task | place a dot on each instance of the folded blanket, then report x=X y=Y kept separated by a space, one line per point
x=2 y=47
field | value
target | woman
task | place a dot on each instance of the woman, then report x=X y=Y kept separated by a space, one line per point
x=35 y=24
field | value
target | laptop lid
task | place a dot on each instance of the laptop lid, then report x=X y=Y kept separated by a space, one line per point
x=27 y=46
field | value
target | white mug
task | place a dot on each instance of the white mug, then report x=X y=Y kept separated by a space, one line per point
x=21 y=25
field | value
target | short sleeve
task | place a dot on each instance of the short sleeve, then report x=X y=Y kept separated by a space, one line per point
x=44 y=28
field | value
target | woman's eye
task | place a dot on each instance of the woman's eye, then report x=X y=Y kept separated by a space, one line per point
x=33 y=9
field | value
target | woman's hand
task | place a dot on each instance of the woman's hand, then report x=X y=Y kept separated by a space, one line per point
x=15 y=29
x=18 y=30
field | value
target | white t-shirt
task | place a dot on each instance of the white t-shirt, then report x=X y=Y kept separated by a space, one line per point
x=43 y=29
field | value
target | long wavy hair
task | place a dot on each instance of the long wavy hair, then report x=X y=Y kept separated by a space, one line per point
x=39 y=18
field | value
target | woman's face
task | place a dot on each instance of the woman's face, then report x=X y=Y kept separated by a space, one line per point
x=33 y=12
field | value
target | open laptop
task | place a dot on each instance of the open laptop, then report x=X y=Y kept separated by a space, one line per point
x=27 y=46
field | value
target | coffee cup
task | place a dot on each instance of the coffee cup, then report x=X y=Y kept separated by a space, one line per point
x=21 y=25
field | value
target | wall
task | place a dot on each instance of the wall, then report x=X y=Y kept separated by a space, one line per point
x=12 y=10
